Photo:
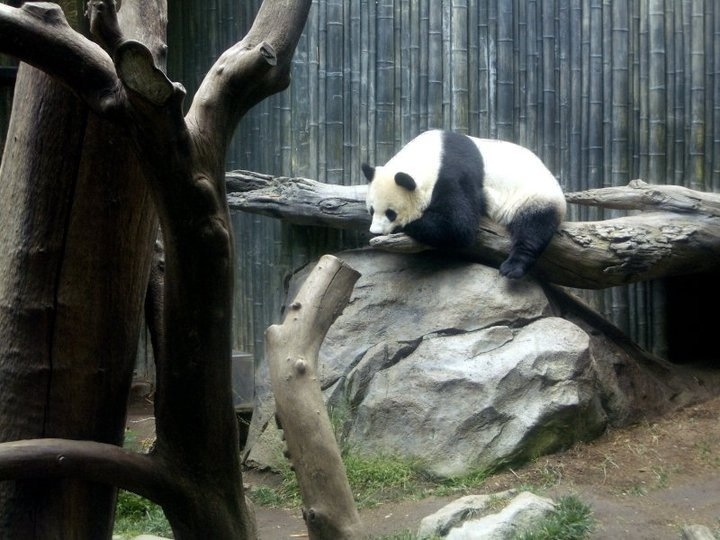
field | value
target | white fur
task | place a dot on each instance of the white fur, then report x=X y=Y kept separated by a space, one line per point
x=420 y=158
x=515 y=178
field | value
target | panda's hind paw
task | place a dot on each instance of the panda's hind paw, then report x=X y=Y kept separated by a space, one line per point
x=513 y=270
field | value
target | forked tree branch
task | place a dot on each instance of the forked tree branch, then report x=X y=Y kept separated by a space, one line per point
x=251 y=70
x=183 y=161
x=39 y=35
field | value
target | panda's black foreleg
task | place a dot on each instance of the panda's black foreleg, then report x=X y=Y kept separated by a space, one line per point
x=530 y=233
x=443 y=229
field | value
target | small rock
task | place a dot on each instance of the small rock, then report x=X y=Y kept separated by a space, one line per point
x=457 y=512
x=697 y=532
x=519 y=515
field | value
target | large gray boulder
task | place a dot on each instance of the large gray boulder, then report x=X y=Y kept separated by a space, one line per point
x=405 y=298
x=473 y=400
x=448 y=362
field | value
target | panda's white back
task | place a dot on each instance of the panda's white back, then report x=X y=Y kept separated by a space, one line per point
x=515 y=177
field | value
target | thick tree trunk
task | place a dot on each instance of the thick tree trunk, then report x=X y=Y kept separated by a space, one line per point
x=92 y=293
x=678 y=232
x=81 y=262
x=80 y=265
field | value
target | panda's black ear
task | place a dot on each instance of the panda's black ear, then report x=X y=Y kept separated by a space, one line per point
x=405 y=180
x=368 y=171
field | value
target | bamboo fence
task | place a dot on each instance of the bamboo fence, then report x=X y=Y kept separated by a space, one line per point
x=604 y=91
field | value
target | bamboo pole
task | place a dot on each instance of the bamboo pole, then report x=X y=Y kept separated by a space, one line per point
x=679 y=83
x=657 y=106
x=473 y=119
x=563 y=82
x=696 y=147
x=577 y=44
x=505 y=72
x=549 y=109
x=435 y=68
x=352 y=86
x=385 y=83
x=334 y=96
x=484 y=78
x=459 y=103
x=424 y=65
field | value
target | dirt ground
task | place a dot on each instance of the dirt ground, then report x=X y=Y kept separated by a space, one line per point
x=643 y=482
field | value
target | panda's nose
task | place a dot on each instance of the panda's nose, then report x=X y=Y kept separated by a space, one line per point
x=376 y=229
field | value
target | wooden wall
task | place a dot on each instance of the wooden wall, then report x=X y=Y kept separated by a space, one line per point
x=604 y=91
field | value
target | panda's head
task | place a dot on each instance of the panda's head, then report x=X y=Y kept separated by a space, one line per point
x=392 y=199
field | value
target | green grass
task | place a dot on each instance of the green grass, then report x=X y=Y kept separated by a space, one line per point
x=378 y=479
x=460 y=485
x=135 y=515
x=407 y=534
x=571 y=520
x=373 y=480
x=286 y=494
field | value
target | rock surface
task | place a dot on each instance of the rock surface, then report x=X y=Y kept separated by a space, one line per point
x=446 y=361
x=520 y=514
x=696 y=532
x=471 y=400
x=456 y=513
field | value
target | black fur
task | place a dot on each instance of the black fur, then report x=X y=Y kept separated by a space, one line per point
x=530 y=231
x=451 y=219
x=405 y=180
x=368 y=171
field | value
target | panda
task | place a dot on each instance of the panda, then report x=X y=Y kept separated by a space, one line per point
x=439 y=185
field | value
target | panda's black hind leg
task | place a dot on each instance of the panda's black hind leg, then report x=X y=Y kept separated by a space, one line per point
x=530 y=233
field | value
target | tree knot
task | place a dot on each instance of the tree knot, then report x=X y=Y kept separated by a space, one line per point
x=268 y=53
x=300 y=366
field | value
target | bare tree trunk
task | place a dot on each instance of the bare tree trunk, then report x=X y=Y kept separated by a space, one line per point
x=80 y=262
x=292 y=350
x=194 y=472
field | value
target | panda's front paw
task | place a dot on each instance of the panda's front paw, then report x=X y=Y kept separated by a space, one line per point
x=513 y=269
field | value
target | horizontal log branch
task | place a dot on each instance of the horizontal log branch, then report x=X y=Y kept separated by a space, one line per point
x=678 y=232
x=85 y=460
x=639 y=195
x=298 y=200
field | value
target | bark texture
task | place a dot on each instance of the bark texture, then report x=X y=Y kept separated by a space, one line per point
x=71 y=204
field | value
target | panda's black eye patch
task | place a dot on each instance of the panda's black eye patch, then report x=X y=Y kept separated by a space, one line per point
x=391 y=215
x=372 y=211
